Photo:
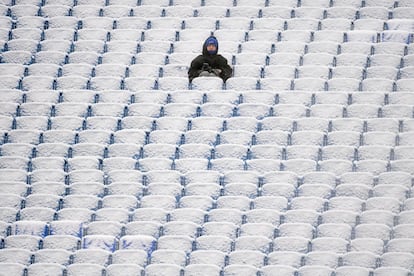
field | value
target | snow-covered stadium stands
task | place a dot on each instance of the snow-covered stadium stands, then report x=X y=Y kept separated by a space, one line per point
x=112 y=163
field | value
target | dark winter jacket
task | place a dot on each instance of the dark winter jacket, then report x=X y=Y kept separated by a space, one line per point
x=214 y=60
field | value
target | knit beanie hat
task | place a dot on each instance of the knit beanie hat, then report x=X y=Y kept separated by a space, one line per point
x=212 y=41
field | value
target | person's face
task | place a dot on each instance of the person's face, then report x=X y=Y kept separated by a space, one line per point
x=211 y=47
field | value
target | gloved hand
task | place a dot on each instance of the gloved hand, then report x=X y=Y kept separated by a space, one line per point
x=206 y=67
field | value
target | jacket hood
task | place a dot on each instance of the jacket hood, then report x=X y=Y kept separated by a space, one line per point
x=211 y=40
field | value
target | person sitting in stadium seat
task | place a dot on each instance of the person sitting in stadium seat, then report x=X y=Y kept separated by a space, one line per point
x=210 y=63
